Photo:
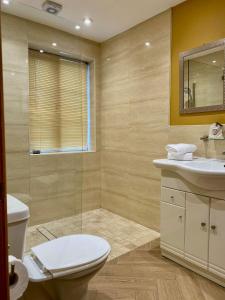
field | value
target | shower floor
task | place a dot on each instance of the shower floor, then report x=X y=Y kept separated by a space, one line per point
x=122 y=234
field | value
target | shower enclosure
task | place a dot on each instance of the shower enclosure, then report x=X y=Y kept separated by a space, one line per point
x=46 y=106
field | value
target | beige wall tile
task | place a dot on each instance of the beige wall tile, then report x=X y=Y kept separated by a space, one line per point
x=91 y=179
x=17 y=164
x=50 y=184
x=115 y=138
x=16 y=108
x=115 y=182
x=114 y=160
x=19 y=188
x=42 y=165
x=14 y=54
x=53 y=208
x=115 y=93
x=43 y=187
x=91 y=199
x=91 y=161
x=134 y=119
x=13 y=28
x=115 y=116
x=17 y=139
x=142 y=165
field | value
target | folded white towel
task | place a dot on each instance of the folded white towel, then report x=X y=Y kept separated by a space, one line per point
x=180 y=156
x=181 y=148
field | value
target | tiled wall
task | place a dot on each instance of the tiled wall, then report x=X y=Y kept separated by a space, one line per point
x=135 y=92
x=131 y=125
x=134 y=118
x=57 y=185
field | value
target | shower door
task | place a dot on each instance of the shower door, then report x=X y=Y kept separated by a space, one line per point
x=42 y=109
x=3 y=217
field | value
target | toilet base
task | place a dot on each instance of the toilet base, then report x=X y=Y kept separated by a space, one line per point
x=74 y=286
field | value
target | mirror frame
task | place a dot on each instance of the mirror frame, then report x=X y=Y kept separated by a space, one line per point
x=182 y=56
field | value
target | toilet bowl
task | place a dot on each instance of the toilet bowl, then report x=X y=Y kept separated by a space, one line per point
x=64 y=266
x=61 y=268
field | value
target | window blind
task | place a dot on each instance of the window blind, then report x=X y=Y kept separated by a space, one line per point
x=58 y=103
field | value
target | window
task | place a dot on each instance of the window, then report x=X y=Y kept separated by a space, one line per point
x=58 y=103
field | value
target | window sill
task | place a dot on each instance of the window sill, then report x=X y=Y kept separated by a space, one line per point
x=59 y=153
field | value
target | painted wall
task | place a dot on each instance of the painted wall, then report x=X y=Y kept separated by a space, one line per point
x=53 y=186
x=194 y=23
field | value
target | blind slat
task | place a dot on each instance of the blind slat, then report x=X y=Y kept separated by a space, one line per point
x=58 y=102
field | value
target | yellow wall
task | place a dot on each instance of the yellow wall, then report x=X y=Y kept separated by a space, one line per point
x=194 y=23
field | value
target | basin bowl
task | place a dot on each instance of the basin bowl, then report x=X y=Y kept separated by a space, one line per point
x=205 y=173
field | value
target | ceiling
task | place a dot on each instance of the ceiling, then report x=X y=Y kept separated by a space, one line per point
x=110 y=17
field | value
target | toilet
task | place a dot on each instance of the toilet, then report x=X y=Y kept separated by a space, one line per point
x=58 y=269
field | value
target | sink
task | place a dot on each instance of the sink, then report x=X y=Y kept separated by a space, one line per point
x=202 y=172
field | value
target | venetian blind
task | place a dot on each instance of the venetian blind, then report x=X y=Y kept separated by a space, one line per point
x=58 y=103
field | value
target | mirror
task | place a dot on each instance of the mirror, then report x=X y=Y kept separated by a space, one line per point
x=202 y=78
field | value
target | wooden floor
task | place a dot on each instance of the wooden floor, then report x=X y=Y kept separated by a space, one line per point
x=144 y=275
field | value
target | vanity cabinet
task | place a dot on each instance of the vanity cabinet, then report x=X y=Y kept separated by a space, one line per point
x=217 y=237
x=197 y=229
x=193 y=230
x=172 y=227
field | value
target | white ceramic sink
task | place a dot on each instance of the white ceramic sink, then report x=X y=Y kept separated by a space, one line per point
x=205 y=173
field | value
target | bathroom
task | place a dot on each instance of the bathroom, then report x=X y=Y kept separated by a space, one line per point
x=100 y=179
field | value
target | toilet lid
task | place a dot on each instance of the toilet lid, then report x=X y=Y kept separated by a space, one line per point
x=71 y=251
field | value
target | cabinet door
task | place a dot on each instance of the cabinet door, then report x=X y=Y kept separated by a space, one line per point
x=197 y=229
x=217 y=238
x=172 y=228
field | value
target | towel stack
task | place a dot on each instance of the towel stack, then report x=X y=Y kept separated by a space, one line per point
x=181 y=151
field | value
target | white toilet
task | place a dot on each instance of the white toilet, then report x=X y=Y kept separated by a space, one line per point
x=58 y=269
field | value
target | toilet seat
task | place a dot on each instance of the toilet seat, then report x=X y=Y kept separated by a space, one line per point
x=66 y=255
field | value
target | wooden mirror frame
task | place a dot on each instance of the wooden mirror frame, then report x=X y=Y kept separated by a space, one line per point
x=4 y=284
x=182 y=55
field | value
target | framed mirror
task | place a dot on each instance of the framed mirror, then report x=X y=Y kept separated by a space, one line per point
x=202 y=78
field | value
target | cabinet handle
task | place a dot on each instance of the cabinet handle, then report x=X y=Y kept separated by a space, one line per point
x=203 y=224
x=172 y=198
x=213 y=227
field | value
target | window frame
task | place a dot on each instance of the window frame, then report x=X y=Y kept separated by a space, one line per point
x=69 y=150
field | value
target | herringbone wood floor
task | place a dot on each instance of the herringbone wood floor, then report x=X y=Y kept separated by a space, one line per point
x=144 y=275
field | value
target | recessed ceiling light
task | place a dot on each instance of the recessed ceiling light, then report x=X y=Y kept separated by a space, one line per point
x=77 y=27
x=42 y=51
x=6 y=2
x=147 y=44
x=214 y=61
x=87 y=21
x=54 y=44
